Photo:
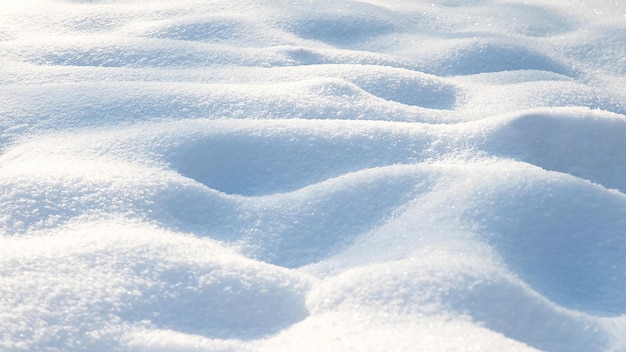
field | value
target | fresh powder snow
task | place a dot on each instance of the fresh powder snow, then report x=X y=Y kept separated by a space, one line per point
x=291 y=175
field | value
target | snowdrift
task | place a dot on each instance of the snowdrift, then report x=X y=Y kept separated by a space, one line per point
x=325 y=176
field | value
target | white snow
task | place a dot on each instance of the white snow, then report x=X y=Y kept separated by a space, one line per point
x=273 y=175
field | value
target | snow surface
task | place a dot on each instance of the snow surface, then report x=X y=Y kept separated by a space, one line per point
x=273 y=175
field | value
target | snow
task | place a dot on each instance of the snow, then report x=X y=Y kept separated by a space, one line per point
x=282 y=175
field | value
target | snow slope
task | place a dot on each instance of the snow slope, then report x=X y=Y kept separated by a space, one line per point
x=279 y=175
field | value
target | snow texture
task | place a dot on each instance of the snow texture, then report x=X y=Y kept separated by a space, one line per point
x=273 y=175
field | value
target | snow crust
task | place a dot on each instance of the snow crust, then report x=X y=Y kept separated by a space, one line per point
x=281 y=175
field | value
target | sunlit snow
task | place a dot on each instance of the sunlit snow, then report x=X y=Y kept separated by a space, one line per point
x=274 y=175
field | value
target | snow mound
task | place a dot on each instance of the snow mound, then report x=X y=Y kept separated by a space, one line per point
x=82 y=285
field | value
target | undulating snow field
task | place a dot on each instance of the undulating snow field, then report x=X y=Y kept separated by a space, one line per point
x=290 y=175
